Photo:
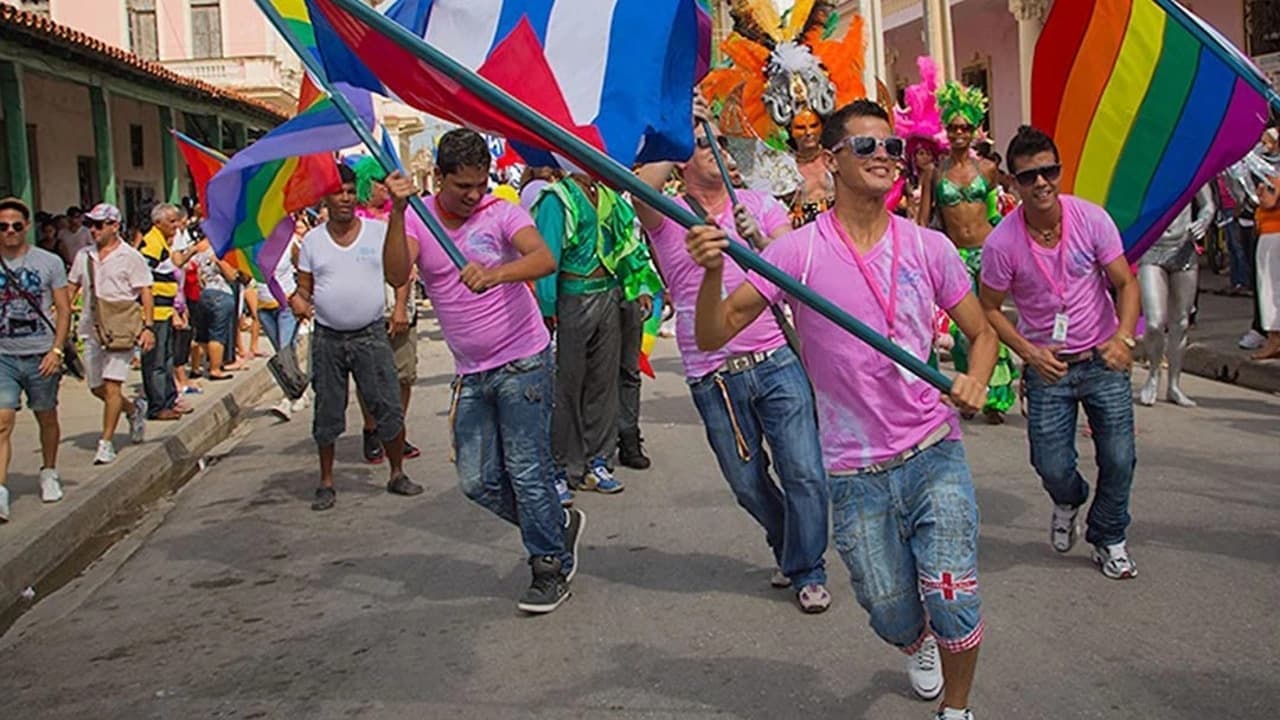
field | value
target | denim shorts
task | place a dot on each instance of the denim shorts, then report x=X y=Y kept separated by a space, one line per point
x=338 y=356
x=218 y=315
x=21 y=374
x=908 y=533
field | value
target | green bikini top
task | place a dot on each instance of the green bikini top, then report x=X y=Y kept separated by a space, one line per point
x=950 y=194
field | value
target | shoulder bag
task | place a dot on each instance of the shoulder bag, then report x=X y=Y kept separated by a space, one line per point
x=116 y=323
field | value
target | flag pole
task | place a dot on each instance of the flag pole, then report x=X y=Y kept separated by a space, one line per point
x=724 y=169
x=623 y=179
x=353 y=119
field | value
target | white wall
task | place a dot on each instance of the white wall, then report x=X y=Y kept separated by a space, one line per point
x=64 y=131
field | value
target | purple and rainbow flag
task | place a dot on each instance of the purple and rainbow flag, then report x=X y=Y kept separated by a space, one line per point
x=1147 y=103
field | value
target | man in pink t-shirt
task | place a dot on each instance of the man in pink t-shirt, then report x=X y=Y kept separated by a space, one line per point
x=903 y=506
x=500 y=417
x=754 y=390
x=1056 y=256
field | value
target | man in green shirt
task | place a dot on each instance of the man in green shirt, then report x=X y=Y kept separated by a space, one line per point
x=603 y=262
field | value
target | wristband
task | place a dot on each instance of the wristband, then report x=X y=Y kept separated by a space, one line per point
x=58 y=351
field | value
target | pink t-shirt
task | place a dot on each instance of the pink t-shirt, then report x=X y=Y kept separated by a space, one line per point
x=490 y=329
x=869 y=409
x=1091 y=241
x=121 y=276
x=683 y=277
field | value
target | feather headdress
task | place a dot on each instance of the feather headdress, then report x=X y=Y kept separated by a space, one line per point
x=967 y=102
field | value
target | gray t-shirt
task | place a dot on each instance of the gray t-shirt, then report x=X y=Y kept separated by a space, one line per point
x=348 y=293
x=22 y=331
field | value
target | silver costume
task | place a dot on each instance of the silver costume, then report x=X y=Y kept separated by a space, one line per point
x=1168 y=275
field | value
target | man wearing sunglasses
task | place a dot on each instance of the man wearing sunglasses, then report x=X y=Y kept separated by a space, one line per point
x=33 y=285
x=1056 y=257
x=114 y=272
x=754 y=389
x=904 y=512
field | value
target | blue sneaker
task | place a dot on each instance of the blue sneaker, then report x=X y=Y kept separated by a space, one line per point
x=601 y=480
x=562 y=488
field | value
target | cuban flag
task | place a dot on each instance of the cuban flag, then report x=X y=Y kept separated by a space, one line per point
x=618 y=74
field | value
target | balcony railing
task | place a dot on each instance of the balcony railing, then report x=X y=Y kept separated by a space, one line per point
x=256 y=73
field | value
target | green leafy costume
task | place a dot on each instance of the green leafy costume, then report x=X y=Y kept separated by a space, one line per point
x=1002 y=394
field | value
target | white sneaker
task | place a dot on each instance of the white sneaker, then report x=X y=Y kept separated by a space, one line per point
x=1114 y=561
x=1063 y=528
x=953 y=714
x=302 y=403
x=925 y=670
x=779 y=579
x=1252 y=340
x=137 y=421
x=106 y=453
x=283 y=410
x=4 y=504
x=50 y=485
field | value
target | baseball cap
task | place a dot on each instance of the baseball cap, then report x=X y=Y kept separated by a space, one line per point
x=105 y=212
x=13 y=203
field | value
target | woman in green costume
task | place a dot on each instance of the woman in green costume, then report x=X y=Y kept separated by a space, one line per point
x=966 y=195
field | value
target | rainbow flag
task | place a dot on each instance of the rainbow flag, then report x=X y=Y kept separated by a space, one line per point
x=1147 y=103
x=202 y=161
x=298 y=21
x=288 y=169
x=650 y=336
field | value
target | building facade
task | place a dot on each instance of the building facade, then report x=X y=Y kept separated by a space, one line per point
x=85 y=122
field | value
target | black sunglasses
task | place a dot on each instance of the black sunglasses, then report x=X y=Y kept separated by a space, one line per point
x=18 y=226
x=721 y=140
x=97 y=224
x=1027 y=178
x=864 y=146
x=959 y=128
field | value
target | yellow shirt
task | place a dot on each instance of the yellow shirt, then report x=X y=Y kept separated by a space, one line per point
x=164 y=275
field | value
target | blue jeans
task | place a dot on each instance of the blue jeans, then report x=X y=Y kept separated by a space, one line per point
x=279 y=325
x=218 y=317
x=1240 y=275
x=1107 y=398
x=157 y=371
x=909 y=536
x=502 y=445
x=772 y=402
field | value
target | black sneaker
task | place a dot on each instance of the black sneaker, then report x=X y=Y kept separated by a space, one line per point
x=549 y=588
x=326 y=498
x=631 y=451
x=372 y=448
x=402 y=485
x=411 y=451
x=575 y=521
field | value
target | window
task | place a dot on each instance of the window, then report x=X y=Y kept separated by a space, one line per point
x=40 y=7
x=206 y=29
x=87 y=179
x=1262 y=26
x=142 y=29
x=135 y=146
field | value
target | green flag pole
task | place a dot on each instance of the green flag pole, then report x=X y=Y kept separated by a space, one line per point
x=353 y=119
x=622 y=178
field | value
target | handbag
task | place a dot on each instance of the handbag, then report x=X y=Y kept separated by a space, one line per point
x=286 y=368
x=116 y=323
x=71 y=364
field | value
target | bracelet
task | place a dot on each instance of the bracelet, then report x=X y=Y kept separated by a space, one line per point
x=58 y=351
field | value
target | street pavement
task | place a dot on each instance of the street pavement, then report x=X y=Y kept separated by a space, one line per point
x=234 y=600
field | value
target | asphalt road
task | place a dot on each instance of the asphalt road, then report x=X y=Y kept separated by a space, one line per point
x=234 y=600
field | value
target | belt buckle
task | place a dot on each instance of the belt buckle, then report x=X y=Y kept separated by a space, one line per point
x=738 y=363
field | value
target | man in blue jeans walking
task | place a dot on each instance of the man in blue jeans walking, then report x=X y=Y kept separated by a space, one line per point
x=500 y=416
x=1055 y=257
x=754 y=390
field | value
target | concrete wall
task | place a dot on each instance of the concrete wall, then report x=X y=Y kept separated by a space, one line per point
x=64 y=131
x=126 y=112
x=245 y=31
x=102 y=19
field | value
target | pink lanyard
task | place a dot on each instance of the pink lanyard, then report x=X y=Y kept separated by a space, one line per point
x=1057 y=288
x=888 y=305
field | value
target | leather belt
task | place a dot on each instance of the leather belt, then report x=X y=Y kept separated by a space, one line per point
x=745 y=361
x=901 y=458
x=1082 y=356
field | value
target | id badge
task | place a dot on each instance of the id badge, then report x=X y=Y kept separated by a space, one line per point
x=1060 y=327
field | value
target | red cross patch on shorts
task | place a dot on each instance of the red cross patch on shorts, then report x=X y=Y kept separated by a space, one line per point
x=950 y=586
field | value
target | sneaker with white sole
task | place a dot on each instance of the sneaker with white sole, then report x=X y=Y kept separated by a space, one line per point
x=50 y=485
x=4 y=504
x=137 y=424
x=924 y=668
x=601 y=480
x=954 y=714
x=1063 y=528
x=106 y=453
x=283 y=409
x=1252 y=340
x=1114 y=561
x=779 y=579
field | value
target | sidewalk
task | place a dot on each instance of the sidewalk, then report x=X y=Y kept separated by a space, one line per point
x=38 y=537
x=1213 y=352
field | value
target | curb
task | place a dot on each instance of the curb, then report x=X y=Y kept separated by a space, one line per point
x=1232 y=368
x=156 y=466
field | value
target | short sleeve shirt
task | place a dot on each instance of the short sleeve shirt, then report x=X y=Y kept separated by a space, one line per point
x=120 y=276
x=22 y=329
